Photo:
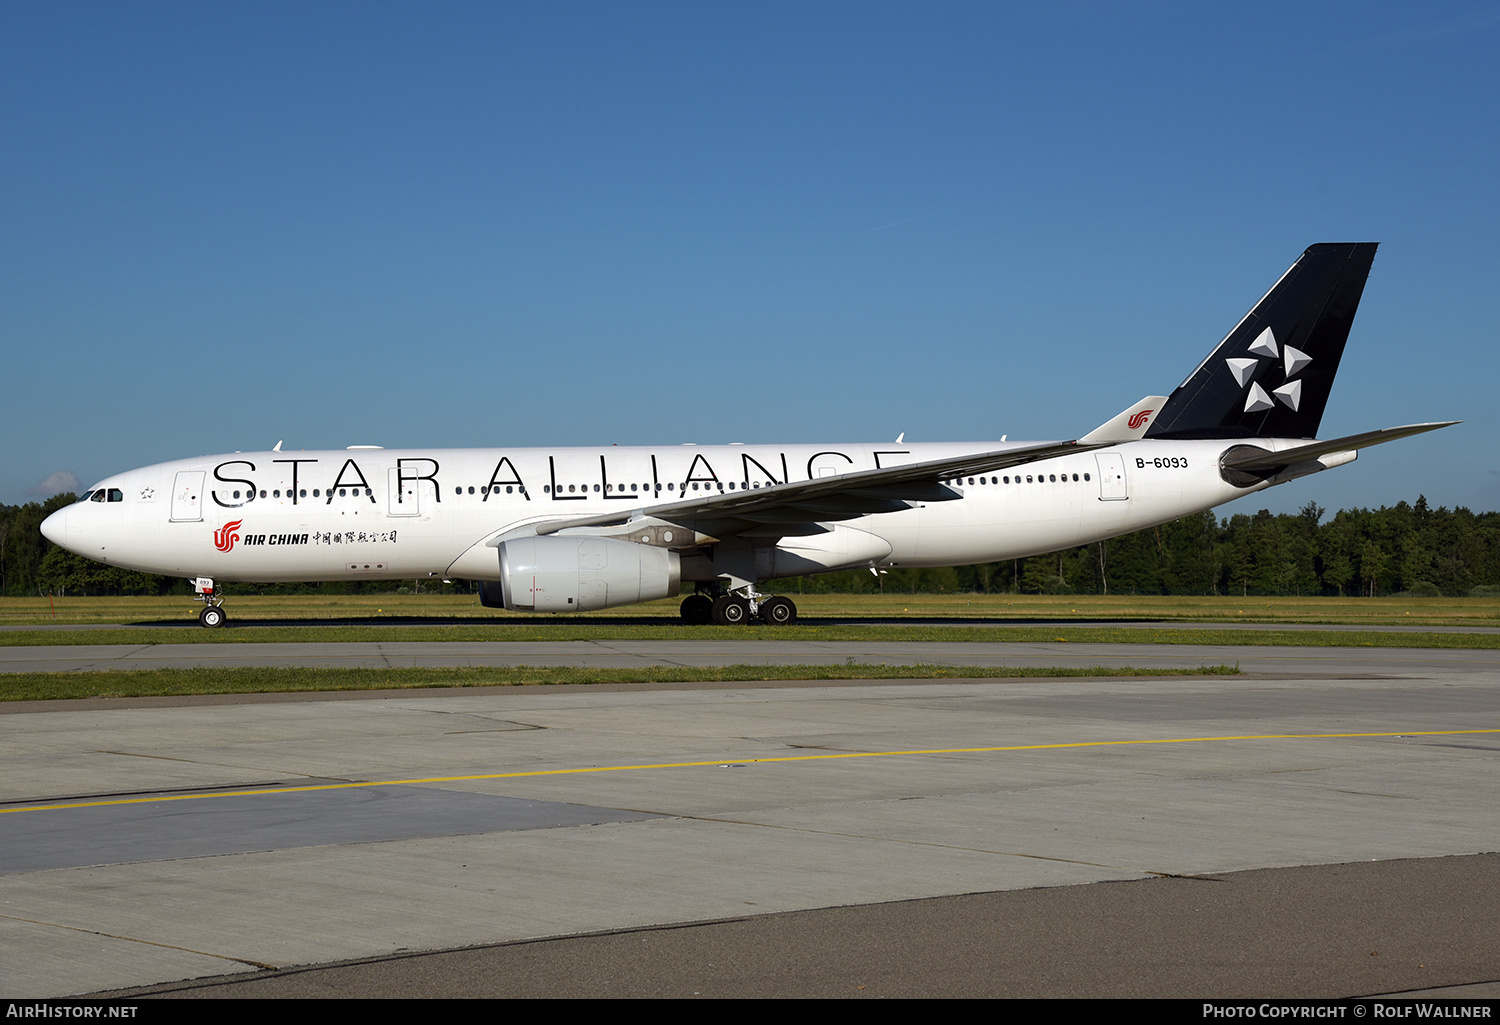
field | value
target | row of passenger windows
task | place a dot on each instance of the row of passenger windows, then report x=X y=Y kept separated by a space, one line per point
x=302 y=493
x=116 y=496
x=621 y=488
x=704 y=486
x=1041 y=478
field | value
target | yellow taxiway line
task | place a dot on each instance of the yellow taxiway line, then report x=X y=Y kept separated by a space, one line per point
x=739 y=761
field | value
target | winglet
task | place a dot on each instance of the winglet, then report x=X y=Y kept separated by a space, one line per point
x=1128 y=426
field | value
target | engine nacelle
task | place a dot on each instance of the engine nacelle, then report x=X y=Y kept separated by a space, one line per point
x=580 y=574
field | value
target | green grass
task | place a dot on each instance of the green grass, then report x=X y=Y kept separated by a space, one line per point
x=998 y=607
x=205 y=680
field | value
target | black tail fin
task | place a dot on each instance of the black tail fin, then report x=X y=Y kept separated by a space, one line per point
x=1270 y=377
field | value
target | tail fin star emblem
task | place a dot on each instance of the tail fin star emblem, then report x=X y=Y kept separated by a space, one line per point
x=227 y=535
x=1257 y=400
x=1265 y=344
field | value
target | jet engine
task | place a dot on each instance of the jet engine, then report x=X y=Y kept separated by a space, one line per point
x=580 y=574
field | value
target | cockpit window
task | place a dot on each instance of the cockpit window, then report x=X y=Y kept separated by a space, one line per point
x=98 y=496
x=116 y=495
x=85 y=496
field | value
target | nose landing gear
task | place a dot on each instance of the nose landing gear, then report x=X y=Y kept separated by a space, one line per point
x=213 y=615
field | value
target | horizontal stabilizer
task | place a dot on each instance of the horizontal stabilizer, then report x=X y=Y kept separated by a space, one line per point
x=1256 y=460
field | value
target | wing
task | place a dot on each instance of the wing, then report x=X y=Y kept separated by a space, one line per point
x=799 y=507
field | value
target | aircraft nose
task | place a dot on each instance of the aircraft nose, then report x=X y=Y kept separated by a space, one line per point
x=55 y=527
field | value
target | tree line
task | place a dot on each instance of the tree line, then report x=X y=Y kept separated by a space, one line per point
x=1406 y=548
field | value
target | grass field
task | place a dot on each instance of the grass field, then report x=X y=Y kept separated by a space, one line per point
x=387 y=618
x=175 y=682
x=812 y=607
x=825 y=618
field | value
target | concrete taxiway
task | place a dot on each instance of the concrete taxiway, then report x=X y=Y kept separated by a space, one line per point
x=149 y=841
x=626 y=653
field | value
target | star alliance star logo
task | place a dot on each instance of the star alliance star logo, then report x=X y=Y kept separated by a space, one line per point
x=1244 y=369
x=147 y=494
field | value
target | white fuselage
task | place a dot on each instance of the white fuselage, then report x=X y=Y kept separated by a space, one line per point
x=393 y=514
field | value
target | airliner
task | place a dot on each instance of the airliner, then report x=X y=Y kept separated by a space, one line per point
x=579 y=529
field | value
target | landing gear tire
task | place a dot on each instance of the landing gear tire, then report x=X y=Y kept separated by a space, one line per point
x=730 y=610
x=697 y=610
x=212 y=617
x=778 y=611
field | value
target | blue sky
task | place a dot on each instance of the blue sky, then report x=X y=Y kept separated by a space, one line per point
x=647 y=223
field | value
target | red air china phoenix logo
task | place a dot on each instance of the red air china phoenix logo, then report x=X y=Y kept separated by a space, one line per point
x=1139 y=418
x=227 y=535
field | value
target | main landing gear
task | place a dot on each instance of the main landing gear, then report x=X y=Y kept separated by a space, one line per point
x=737 y=609
x=213 y=615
